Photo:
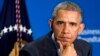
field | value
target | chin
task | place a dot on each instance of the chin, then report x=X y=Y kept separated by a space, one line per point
x=64 y=43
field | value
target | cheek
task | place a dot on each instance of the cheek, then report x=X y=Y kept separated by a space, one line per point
x=74 y=34
x=57 y=31
x=56 y=28
x=74 y=30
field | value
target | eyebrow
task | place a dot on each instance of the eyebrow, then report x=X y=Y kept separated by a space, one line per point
x=64 y=21
x=74 y=23
x=59 y=21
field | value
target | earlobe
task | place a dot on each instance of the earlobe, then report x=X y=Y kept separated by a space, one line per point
x=81 y=28
x=51 y=24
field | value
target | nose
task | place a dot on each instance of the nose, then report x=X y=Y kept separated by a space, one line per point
x=66 y=29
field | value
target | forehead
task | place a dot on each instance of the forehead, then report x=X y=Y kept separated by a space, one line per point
x=65 y=15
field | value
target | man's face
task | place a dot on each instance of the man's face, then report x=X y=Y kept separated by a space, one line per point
x=66 y=26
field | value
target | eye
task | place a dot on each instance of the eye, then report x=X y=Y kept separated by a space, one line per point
x=73 y=24
x=60 y=22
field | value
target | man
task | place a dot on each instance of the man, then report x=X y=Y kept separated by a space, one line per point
x=65 y=25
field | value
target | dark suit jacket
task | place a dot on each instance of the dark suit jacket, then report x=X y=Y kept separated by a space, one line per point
x=46 y=47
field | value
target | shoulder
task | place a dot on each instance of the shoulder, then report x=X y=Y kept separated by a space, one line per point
x=28 y=50
x=32 y=48
x=39 y=43
x=82 y=44
x=83 y=47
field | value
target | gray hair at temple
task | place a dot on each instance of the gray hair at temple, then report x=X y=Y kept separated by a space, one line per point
x=67 y=5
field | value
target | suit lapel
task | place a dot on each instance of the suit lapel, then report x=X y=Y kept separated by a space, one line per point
x=77 y=48
x=50 y=48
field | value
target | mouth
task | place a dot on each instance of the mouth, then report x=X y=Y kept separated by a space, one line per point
x=65 y=39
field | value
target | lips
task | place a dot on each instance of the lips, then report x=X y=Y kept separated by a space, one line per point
x=64 y=39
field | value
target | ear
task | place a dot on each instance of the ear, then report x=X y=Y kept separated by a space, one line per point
x=51 y=24
x=81 y=28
